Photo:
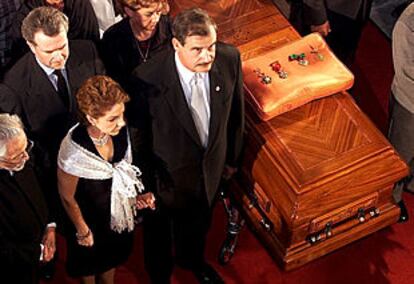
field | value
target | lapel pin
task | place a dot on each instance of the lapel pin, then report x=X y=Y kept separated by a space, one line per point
x=217 y=88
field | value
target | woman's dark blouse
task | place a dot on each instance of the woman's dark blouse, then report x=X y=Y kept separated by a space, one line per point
x=120 y=52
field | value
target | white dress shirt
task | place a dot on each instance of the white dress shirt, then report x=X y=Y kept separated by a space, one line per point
x=186 y=76
x=52 y=77
x=105 y=13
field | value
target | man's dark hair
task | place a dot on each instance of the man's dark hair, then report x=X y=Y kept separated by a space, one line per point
x=192 y=22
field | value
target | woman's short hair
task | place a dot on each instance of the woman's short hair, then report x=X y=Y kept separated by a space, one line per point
x=97 y=95
x=46 y=19
x=138 y=4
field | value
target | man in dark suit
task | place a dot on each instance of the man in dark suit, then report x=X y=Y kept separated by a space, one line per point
x=44 y=83
x=8 y=10
x=25 y=237
x=82 y=18
x=189 y=108
x=340 y=21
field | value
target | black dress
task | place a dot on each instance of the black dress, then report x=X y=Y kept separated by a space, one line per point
x=110 y=248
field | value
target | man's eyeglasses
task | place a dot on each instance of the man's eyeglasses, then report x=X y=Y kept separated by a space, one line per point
x=29 y=147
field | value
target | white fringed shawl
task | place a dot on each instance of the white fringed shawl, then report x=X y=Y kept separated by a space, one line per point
x=76 y=160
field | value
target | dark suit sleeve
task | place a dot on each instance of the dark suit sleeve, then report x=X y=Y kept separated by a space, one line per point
x=111 y=55
x=10 y=102
x=82 y=19
x=236 y=119
x=139 y=121
x=314 y=12
x=99 y=66
x=18 y=44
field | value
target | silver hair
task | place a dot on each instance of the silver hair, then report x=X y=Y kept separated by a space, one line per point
x=10 y=126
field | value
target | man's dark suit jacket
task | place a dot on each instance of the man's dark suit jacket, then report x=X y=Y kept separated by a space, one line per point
x=23 y=219
x=42 y=111
x=83 y=23
x=160 y=111
x=315 y=11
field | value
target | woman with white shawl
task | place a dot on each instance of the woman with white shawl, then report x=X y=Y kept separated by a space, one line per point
x=99 y=187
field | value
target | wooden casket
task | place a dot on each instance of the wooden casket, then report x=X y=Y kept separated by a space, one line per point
x=313 y=179
x=317 y=178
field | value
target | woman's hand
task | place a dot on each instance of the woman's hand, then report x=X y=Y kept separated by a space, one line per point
x=85 y=239
x=146 y=200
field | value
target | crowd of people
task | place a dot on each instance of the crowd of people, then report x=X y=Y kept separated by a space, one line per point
x=113 y=113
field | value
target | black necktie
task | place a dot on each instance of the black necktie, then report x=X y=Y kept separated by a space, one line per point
x=62 y=88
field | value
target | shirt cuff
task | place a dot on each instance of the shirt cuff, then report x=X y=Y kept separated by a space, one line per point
x=51 y=225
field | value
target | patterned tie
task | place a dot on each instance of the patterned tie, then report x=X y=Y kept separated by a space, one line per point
x=199 y=109
x=62 y=88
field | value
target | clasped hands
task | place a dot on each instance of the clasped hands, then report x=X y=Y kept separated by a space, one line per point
x=146 y=200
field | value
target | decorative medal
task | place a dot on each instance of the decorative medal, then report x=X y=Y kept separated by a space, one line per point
x=264 y=79
x=278 y=69
x=315 y=51
x=300 y=58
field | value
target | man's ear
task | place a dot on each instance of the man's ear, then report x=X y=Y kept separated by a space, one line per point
x=176 y=44
x=31 y=46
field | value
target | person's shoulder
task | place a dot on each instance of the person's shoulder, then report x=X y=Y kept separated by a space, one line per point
x=407 y=17
x=80 y=134
x=23 y=68
x=8 y=99
x=227 y=49
x=153 y=68
x=82 y=50
x=117 y=30
x=227 y=53
x=165 y=21
x=81 y=44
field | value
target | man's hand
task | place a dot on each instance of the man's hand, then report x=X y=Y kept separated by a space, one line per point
x=49 y=242
x=323 y=29
x=228 y=172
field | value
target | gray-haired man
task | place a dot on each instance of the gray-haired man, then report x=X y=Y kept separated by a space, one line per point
x=25 y=236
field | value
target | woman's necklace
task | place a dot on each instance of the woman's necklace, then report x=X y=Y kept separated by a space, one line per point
x=144 y=57
x=139 y=35
x=100 y=141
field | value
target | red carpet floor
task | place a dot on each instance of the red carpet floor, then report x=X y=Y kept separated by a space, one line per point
x=383 y=257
